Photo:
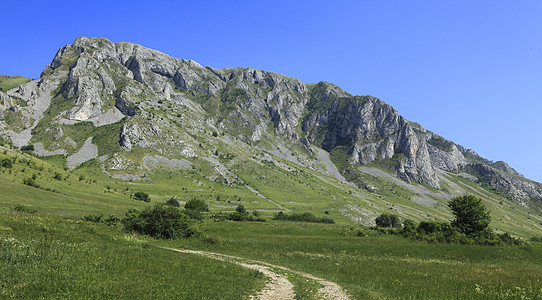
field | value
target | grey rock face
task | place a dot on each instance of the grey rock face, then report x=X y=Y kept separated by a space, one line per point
x=5 y=101
x=102 y=82
x=516 y=189
x=503 y=166
x=449 y=161
x=372 y=129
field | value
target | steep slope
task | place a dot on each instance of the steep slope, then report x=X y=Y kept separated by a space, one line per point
x=128 y=111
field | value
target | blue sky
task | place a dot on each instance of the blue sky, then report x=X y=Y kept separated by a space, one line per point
x=470 y=71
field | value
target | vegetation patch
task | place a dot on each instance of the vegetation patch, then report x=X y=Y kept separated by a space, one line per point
x=9 y=82
x=159 y=221
x=302 y=217
x=441 y=143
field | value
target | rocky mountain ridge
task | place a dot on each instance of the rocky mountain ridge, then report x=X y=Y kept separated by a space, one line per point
x=138 y=98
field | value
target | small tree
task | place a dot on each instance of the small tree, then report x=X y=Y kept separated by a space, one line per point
x=241 y=209
x=471 y=216
x=388 y=220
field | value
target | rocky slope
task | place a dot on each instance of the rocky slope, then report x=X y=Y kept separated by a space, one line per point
x=127 y=98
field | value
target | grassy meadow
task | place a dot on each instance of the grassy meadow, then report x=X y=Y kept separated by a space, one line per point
x=48 y=250
x=377 y=266
x=48 y=257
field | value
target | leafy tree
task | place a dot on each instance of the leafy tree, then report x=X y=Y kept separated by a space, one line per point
x=471 y=216
x=388 y=220
x=142 y=196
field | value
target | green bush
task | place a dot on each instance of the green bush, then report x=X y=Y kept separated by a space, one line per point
x=27 y=148
x=110 y=221
x=302 y=217
x=194 y=214
x=196 y=205
x=240 y=215
x=94 y=218
x=159 y=221
x=409 y=227
x=241 y=209
x=388 y=220
x=173 y=202
x=24 y=209
x=6 y=163
x=142 y=196
x=30 y=181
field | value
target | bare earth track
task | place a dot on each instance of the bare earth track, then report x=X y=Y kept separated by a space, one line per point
x=279 y=287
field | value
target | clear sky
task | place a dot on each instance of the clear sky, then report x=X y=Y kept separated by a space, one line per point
x=470 y=71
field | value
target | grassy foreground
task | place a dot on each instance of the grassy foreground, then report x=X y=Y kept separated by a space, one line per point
x=380 y=266
x=52 y=253
x=51 y=257
x=47 y=257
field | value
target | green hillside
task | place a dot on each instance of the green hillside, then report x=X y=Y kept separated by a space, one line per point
x=48 y=249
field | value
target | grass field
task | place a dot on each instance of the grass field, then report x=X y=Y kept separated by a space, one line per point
x=51 y=252
x=382 y=266
x=48 y=257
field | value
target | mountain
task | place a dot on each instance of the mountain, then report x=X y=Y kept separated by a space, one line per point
x=131 y=110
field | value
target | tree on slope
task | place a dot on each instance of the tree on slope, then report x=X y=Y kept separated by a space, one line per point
x=471 y=216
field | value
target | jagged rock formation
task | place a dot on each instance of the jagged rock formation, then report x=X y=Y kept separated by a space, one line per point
x=371 y=129
x=509 y=184
x=144 y=99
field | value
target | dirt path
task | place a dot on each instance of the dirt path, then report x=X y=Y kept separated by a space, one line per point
x=278 y=287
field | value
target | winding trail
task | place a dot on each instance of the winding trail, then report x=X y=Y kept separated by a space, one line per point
x=279 y=287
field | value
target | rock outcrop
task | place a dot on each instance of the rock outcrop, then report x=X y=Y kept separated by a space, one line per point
x=371 y=131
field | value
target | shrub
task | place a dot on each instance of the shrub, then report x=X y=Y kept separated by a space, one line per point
x=30 y=181
x=429 y=227
x=142 y=196
x=196 y=205
x=6 y=163
x=409 y=227
x=303 y=217
x=173 y=202
x=241 y=209
x=194 y=214
x=94 y=218
x=24 y=209
x=109 y=221
x=27 y=148
x=112 y=221
x=388 y=220
x=159 y=221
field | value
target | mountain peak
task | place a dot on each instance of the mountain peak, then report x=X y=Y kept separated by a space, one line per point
x=163 y=104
